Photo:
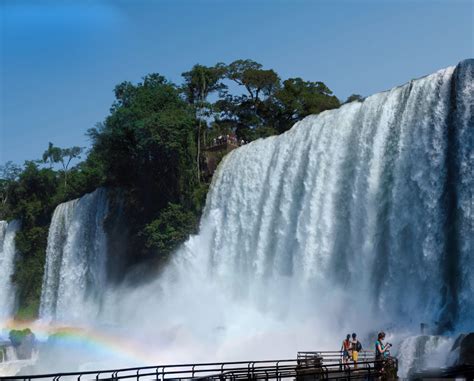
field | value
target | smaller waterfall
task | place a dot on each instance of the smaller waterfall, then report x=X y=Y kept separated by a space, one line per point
x=10 y=354
x=10 y=364
x=423 y=352
x=75 y=269
x=7 y=266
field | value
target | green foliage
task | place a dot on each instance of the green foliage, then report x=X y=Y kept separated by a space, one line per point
x=30 y=197
x=246 y=113
x=201 y=80
x=28 y=312
x=267 y=106
x=55 y=155
x=147 y=147
x=354 y=98
x=170 y=229
x=198 y=198
x=8 y=175
x=29 y=270
x=52 y=154
x=147 y=139
x=256 y=80
x=17 y=336
x=298 y=98
x=83 y=178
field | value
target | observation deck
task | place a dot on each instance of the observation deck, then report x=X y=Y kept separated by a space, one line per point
x=307 y=366
x=217 y=149
x=214 y=154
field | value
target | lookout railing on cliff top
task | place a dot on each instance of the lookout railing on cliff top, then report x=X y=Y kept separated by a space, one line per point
x=307 y=366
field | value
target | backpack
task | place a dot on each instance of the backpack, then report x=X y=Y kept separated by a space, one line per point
x=358 y=346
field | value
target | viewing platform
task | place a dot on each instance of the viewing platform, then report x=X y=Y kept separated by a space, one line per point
x=217 y=149
x=307 y=366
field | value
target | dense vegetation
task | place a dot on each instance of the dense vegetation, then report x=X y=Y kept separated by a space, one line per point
x=151 y=147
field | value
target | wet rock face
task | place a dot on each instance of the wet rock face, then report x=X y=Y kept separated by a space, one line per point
x=25 y=349
x=464 y=347
x=24 y=342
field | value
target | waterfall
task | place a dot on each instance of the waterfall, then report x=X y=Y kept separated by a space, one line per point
x=357 y=218
x=7 y=266
x=423 y=352
x=75 y=269
x=462 y=127
x=374 y=198
x=10 y=354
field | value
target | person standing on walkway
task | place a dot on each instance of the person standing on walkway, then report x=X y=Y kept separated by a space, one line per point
x=346 y=348
x=381 y=351
x=356 y=348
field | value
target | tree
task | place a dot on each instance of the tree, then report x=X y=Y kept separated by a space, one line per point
x=146 y=146
x=170 y=229
x=8 y=175
x=298 y=99
x=55 y=155
x=247 y=114
x=52 y=155
x=268 y=106
x=257 y=81
x=354 y=98
x=200 y=81
x=250 y=74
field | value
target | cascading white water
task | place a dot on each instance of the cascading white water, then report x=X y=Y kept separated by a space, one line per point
x=423 y=352
x=7 y=266
x=75 y=269
x=10 y=353
x=463 y=121
x=371 y=202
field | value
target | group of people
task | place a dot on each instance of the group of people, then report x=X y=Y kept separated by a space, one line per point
x=231 y=138
x=351 y=347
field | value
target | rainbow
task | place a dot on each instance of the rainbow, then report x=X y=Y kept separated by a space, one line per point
x=92 y=340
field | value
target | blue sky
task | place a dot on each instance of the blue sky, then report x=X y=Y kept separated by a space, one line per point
x=60 y=60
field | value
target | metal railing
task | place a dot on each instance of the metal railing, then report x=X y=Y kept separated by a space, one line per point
x=308 y=366
x=336 y=356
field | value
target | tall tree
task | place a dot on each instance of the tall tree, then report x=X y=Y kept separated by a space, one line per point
x=247 y=113
x=199 y=82
x=256 y=80
x=146 y=143
x=9 y=173
x=55 y=155
x=297 y=99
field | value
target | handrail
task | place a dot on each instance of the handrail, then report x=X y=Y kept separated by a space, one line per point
x=326 y=363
